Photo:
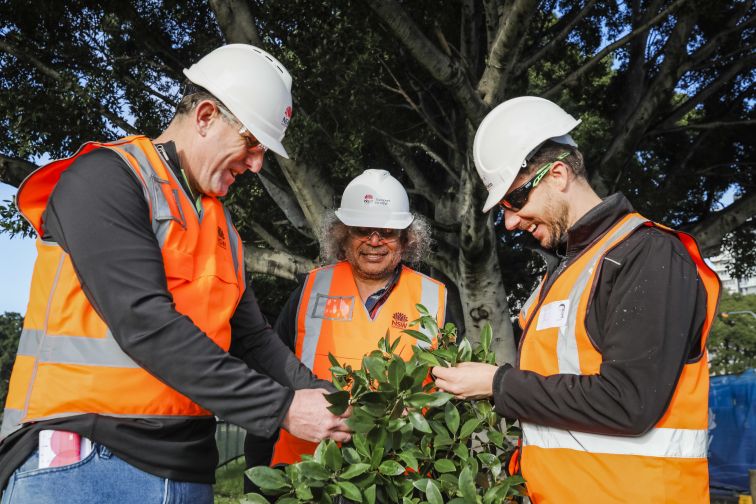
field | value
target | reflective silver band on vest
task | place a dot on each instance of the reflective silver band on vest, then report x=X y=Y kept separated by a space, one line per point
x=65 y=349
x=234 y=240
x=320 y=284
x=11 y=421
x=429 y=299
x=567 y=348
x=658 y=442
x=530 y=302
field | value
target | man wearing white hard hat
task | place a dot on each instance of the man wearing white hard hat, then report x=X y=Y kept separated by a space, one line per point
x=346 y=307
x=140 y=327
x=611 y=381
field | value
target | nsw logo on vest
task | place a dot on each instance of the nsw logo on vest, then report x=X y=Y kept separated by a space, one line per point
x=399 y=320
x=221 y=238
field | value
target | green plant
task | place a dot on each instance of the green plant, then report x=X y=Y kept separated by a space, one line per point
x=410 y=443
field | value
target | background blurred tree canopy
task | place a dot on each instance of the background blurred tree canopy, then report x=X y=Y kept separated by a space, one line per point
x=664 y=89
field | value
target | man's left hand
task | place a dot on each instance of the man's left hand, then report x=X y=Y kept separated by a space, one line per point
x=468 y=380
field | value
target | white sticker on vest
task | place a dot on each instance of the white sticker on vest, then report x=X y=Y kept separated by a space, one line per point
x=553 y=315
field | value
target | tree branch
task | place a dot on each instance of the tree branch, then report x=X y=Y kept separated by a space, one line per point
x=710 y=231
x=571 y=19
x=504 y=50
x=66 y=81
x=310 y=186
x=13 y=171
x=422 y=185
x=574 y=76
x=236 y=21
x=276 y=263
x=705 y=126
x=286 y=202
x=440 y=66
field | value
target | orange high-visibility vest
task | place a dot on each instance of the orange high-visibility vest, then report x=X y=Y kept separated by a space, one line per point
x=331 y=318
x=668 y=463
x=68 y=361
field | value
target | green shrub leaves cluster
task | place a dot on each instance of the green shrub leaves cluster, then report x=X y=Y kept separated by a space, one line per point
x=411 y=443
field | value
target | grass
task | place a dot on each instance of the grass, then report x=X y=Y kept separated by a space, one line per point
x=229 y=487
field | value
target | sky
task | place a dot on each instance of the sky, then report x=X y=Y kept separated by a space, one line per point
x=16 y=262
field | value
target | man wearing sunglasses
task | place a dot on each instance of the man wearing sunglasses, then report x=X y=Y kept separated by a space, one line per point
x=140 y=326
x=611 y=381
x=368 y=289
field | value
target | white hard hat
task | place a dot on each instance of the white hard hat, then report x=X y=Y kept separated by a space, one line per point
x=253 y=85
x=375 y=199
x=510 y=133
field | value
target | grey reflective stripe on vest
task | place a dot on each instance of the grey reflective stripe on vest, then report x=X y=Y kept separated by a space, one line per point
x=161 y=210
x=65 y=349
x=321 y=283
x=658 y=442
x=234 y=240
x=566 y=348
x=11 y=421
x=429 y=299
x=530 y=301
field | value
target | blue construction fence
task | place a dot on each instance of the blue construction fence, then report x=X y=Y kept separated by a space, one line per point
x=732 y=431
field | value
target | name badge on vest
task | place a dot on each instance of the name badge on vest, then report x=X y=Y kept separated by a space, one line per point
x=553 y=315
x=333 y=307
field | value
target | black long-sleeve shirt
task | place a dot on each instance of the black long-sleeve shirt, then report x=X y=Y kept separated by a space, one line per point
x=646 y=318
x=99 y=216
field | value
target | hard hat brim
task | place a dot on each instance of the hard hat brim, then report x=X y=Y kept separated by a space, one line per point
x=374 y=219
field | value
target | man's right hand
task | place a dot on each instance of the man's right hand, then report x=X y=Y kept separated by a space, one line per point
x=308 y=418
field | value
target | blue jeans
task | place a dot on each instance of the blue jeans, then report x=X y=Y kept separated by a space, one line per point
x=101 y=477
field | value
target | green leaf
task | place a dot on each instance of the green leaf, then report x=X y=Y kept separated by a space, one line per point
x=409 y=459
x=376 y=367
x=466 y=485
x=439 y=399
x=267 y=478
x=396 y=371
x=428 y=358
x=361 y=444
x=433 y=494
x=496 y=493
x=418 y=335
x=333 y=360
x=464 y=354
x=319 y=454
x=339 y=400
x=419 y=422
x=350 y=491
x=461 y=452
x=391 y=468
x=369 y=494
x=395 y=344
x=444 y=465
x=253 y=498
x=333 y=458
x=496 y=438
x=354 y=470
x=339 y=371
x=313 y=470
x=468 y=428
x=419 y=399
x=486 y=335
x=422 y=310
x=303 y=492
x=451 y=415
x=350 y=455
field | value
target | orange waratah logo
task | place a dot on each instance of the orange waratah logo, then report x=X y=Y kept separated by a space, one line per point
x=399 y=320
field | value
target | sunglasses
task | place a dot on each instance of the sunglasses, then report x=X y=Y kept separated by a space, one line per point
x=517 y=199
x=252 y=144
x=385 y=235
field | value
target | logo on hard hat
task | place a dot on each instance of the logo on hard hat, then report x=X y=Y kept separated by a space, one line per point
x=286 y=117
x=368 y=199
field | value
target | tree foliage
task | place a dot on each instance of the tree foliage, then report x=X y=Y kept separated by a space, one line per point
x=410 y=442
x=10 y=333
x=732 y=343
x=664 y=89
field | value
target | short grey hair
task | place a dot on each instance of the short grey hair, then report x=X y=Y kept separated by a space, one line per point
x=333 y=236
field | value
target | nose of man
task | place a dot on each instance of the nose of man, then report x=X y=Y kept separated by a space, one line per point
x=254 y=161
x=511 y=220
